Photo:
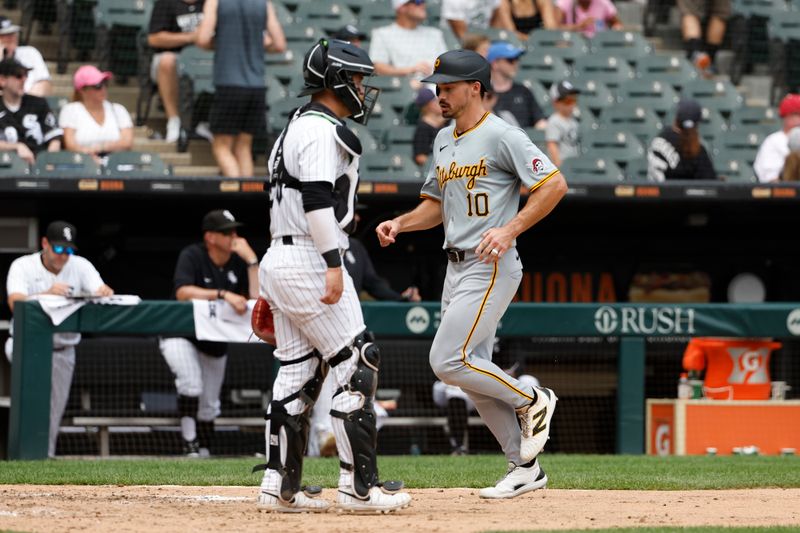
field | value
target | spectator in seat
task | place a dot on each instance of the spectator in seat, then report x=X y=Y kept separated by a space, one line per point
x=515 y=103
x=587 y=16
x=429 y=123
x=791 y=168
x=677 y=153
x=38 y=80
x=562 y=128
x=692 y=13
x=239 y=31
x=27 y=125
x=351 y=34
x=465 y=15
x=773 y=151
x=477 y=42
x=55 y=270
x=406 y=47
x=173 y=26
x=93 y=125
x=529 y=15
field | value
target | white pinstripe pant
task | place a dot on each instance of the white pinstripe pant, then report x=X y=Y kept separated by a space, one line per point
x=196 y=374
x=292 y=280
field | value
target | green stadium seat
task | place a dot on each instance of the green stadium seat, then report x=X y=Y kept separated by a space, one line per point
x=538 y=137
x=276 y=91
x=300 y=37
x=595 y=95
x=544 y=68
x=714 y=94
x=636 y=170
x=588 y=169
x=369 y=144
x=617 y=145
x=760 y=8
x=382 y=119
x=656 y=95
x=672 y=69
x=197 y=66
x=380 y=167
x=540 y=94
x=278 y=113
x=286 y=73
x=56 y=103
x=712 y=126
x=374 y=15
x=65 y=165
x=732 y=169
x=566 y=45
x=784 y=33
x=499 y=34
x=610 y=70
x=397 y=100
x=283 y=14
x=389 y=83
x=639 y=120
x=739 y=145
x=119 y=23
x=399 y=140
x=328 y=16
x=628 y=45
x=135 y=165
x=751 y=117
x=12 y=165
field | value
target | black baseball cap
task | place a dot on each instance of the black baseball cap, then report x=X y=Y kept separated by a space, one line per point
x=12 y=67
x=562 y=89
x=688 y=114
x=7 y=27
x=348 y=32
x=60 y=233
x=220 y=220
x=461 y=65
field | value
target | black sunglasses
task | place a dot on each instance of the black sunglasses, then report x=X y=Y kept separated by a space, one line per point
x=96 y=87
x=69 y=250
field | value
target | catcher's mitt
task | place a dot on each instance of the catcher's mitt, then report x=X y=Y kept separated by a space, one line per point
x=262 y=322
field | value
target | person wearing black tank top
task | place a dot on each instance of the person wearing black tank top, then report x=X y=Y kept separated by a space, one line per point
x=529 y=15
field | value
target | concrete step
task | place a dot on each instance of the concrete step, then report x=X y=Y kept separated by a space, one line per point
x=144 y=144
x=189 y=171
x=176 y=159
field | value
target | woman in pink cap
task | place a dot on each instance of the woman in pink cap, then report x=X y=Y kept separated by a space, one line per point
x=92 y=124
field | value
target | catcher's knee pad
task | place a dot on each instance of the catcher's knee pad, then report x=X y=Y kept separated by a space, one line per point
x=353 y=406
x=287 y=436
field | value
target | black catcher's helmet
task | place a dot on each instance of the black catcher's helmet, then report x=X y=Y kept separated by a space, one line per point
x=461 y=65
x=330 y=64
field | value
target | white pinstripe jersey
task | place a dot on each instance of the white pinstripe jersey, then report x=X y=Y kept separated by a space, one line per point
x=477 y=175
x=311 y=152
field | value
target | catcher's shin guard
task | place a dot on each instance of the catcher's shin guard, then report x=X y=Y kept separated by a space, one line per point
x=287 y=434
x=354 y=415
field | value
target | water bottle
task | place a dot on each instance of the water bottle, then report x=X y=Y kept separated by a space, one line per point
x=696 y=385
x=684 y=389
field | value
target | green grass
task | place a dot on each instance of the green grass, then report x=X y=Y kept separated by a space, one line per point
x=564 y=471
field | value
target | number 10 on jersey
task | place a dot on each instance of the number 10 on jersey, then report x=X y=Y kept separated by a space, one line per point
x=477 y=204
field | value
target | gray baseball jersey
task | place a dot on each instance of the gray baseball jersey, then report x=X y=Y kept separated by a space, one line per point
x=477 y=177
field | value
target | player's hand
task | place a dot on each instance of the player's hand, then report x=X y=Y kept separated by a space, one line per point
x=237 y=301
x=241 y=247
x=334 y=286
x=60 y=289
x=387 y=231
x=25 y=153
x=411 y=294
x=494 y=244
x=104 y=290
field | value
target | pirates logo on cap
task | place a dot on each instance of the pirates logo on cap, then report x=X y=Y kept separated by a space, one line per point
x=436 y=63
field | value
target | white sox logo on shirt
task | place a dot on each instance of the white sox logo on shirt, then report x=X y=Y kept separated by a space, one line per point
x=68 y=234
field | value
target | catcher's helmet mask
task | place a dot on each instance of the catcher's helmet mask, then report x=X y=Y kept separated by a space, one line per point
x=461 y=65
x=330 y=64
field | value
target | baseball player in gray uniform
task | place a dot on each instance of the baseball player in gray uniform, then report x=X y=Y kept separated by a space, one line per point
x=473 y=184
x=58 y=271
x=317 y=317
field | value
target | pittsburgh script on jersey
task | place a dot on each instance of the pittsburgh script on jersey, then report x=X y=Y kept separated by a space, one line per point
x=457 y=172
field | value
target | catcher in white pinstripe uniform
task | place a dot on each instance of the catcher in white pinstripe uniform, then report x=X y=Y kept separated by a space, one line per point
x=318 y=323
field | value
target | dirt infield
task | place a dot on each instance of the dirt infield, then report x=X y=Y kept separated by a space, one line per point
x=173 y=508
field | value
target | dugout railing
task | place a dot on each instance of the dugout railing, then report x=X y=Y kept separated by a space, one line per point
x=631 y=326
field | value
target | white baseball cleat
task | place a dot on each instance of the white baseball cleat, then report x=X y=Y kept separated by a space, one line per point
x=518 y=480
x=534 y=421
x=377 y=501
x=300 y=503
